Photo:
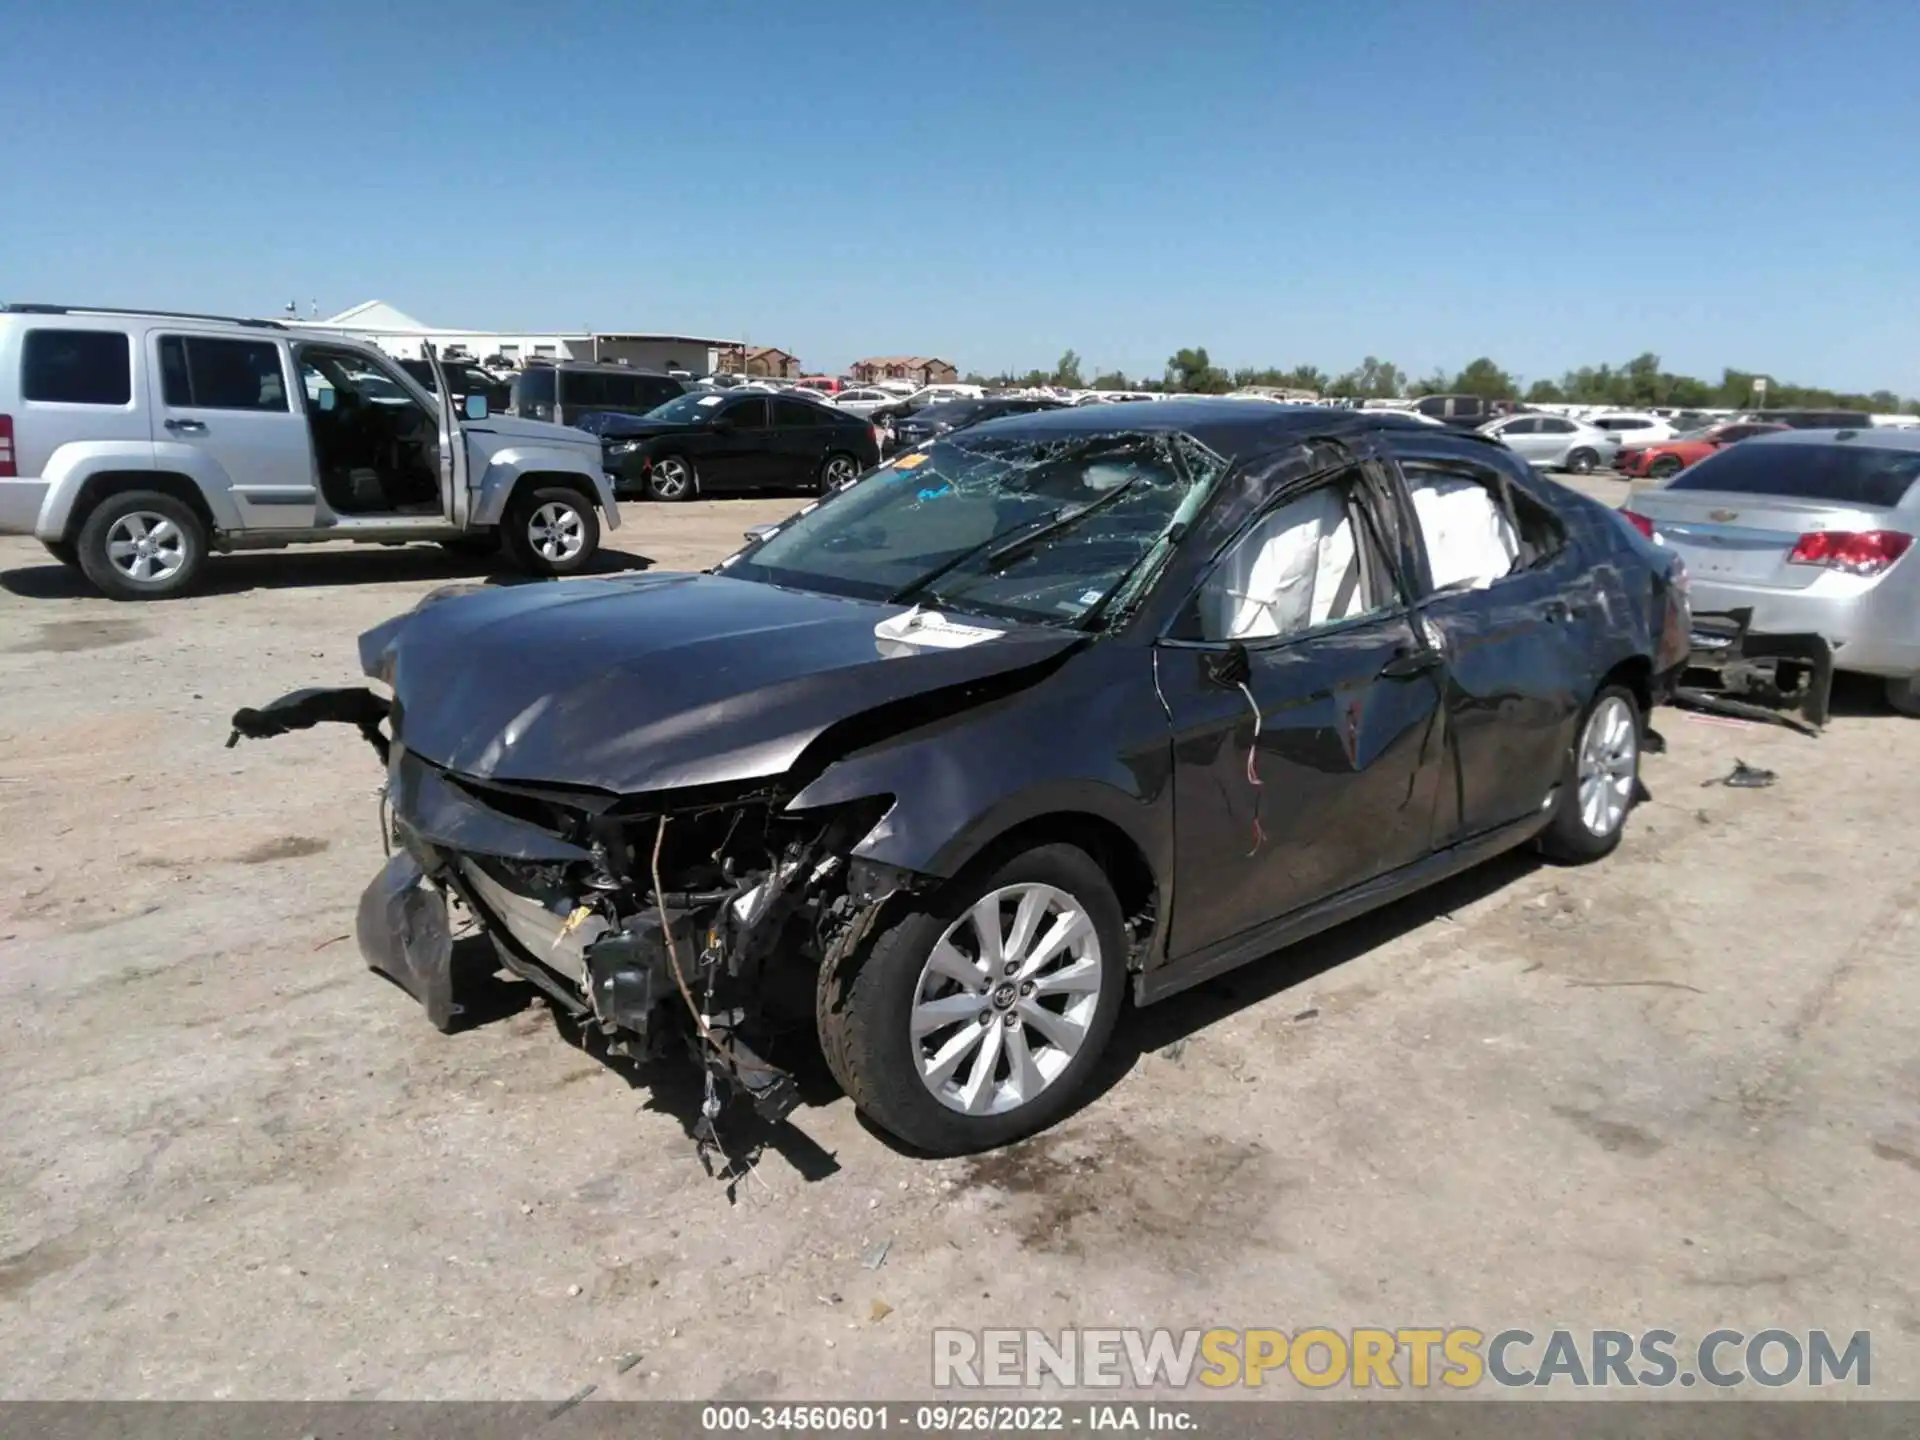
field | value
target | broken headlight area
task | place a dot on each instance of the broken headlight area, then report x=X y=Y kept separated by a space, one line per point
x=685 y=920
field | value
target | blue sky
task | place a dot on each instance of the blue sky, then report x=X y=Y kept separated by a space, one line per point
x=1551 y=185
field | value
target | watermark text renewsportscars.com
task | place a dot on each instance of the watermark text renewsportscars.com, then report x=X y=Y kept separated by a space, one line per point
x=1413 y=1358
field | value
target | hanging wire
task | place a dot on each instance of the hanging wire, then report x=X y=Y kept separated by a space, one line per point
x=1253 y=769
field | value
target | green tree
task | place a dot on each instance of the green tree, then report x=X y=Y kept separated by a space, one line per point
x=1067 y=372
x=1545 y=392
x=1113 y=380
x=1484 y=378
x=1434 y=384
x=1192 y=371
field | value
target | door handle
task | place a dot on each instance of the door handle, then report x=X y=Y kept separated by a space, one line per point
x=188 y=427
x=1410 y=662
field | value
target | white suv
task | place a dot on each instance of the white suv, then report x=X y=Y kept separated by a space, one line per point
x=133 y=443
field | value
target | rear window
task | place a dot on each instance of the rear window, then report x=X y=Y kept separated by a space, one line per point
x=204 y=374
x=77 y=367
x=1842 y=474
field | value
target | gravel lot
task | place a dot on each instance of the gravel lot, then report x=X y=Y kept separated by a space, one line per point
x=1678 y=1088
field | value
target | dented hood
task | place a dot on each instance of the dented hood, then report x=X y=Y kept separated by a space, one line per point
x=656 y=682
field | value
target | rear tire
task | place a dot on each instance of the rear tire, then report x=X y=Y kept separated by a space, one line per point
x=884 y=1023
x=142 y=545
x=552 y=530
x=1581 y=462
x=837 y=471
x=1599 y=782
x=1903 y=694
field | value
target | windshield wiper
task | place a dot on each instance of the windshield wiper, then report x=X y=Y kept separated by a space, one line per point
x=948 y=566
x=1095 y=614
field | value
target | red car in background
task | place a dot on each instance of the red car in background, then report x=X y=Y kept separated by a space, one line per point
x=1669 y=457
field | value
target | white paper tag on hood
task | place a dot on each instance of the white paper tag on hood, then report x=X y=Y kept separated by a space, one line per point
x=931 y=629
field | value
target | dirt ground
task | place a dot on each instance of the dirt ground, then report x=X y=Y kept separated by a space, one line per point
x=1678 y=1088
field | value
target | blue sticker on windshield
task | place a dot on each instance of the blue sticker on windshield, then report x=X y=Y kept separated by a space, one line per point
x=934 y=492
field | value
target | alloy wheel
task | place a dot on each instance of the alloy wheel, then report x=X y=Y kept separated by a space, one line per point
x=1006 y=999
x=146 y=547
x=1608 y=761
x=839 y=473
x=556 y=532
x=671 y=478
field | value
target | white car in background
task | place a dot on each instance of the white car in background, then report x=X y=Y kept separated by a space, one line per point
x=1556 y=442
x=939 y=394
x=862 y=401
x=1632 y=427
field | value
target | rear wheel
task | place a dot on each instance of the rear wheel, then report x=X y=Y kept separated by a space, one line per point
x=839 y=471
x=978 y=1015
x=552 y=530
x=142 y=545
x=1581 y=462
x=1598 y=785
x=1903 y=694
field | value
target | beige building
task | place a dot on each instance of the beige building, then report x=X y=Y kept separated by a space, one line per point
x=760 y=360
x=917 y=368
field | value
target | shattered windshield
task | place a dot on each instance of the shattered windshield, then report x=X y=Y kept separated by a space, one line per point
x=693 y=407
x=1002 y=525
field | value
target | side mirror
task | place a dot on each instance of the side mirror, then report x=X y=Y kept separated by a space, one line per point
x=476 y=407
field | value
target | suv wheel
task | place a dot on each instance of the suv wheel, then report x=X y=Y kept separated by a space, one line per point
x=978 y=1015
x=142 y=545
x=552 y=530
x=1600 y=783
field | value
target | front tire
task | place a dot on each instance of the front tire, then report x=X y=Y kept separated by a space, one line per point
x=1599 y=783
x=1581 y=462
x=552 y=530
x=1665 y=468
x=977 y=1016
x=672 y=477
x=142 y=545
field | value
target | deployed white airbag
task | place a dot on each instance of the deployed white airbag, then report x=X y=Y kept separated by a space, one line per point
x=1469 y=538
x=1295 y=569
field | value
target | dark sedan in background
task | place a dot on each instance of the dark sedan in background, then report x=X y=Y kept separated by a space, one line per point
x=930 y=421
x=707 y=441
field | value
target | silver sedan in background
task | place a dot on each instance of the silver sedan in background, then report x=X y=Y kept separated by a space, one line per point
x=1811 y=529
x=1554 y=442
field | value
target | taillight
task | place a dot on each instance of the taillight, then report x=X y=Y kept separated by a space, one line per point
x=7 y=469
x=879 y=437
x=1858 y=552
x=1639 y=522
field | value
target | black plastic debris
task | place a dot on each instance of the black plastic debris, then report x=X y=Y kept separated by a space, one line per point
x=1743 y=777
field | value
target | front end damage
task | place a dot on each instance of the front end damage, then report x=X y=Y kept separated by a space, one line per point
x=697 y=918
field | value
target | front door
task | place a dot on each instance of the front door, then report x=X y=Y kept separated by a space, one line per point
x=800 y=435
x=455 y=499
x=1513 y=613
x=226 y=404
x=1305 y=711
x=736 y=456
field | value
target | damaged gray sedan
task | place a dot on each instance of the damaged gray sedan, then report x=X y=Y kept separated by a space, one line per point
x=1038 y=714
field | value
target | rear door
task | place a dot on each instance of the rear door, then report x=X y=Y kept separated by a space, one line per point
x=223 y=404
x=1508 y=600
x=1305 y=716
